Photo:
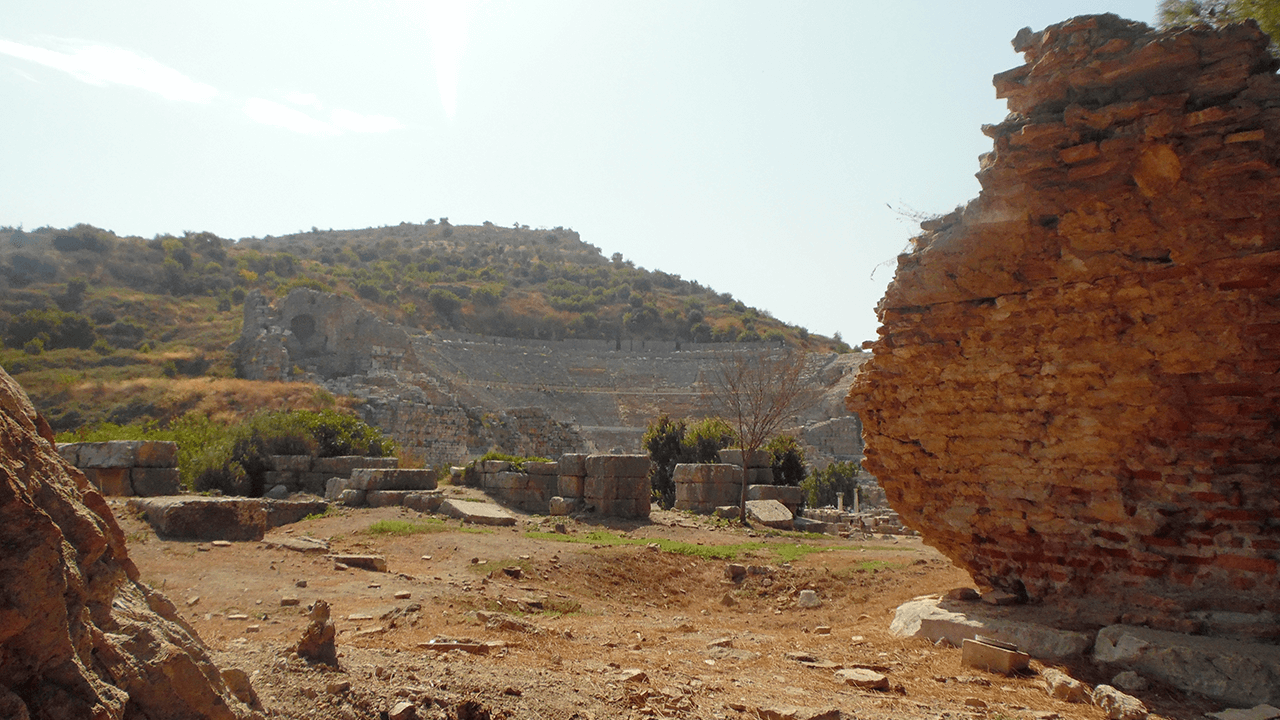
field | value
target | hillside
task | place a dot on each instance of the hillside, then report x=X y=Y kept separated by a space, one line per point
x=101 y=327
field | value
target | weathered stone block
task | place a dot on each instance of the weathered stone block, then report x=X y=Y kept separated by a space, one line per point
x=425 y=501
x=479 y=513
x=290 y=463
x=542 y=468
x=345 y=464
x=111 y=481
x=286 y=512
x=153 y=481
x=313 y=483
x=204 y=518
x=351 y=497
x=758 y=459
x=618 y=465
x=385 y=498
x=573 y=464
x=113 y=454
x=570 y=486
x=70 y=452
x=992 y=657
x=334 y=486
x=792 y=497
x=156 y=454
x=393 y=479
x=769 y=513
x=493 y=466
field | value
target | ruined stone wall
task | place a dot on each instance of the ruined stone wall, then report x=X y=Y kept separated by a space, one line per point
x=1075 y=390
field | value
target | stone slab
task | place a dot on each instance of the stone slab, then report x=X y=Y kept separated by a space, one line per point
x=792 y=497
x=478 y=513
x=203 y=518
x=573 y=464
x=1235 y=672
x=156 y=454
x=393 y=479
x=936 y=620
x=618 y=465
x=570 y=486
x=426 y=501
x=287 y=512
x=345 y=464
x=110 y=481
x=769 y=513
x=301 y=544
x=542 y=468
x=155 y=481
x=290 y=463
x=113 y=454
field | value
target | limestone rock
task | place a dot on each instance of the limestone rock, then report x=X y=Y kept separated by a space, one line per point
x=477 y=512
x=769 y=513
x=316 y=644
x=1062 y=686
x=1117 y=705
x=80 y=635
x=809 y=599
x=862 y=678
x=1231 y=671
x=937 y=620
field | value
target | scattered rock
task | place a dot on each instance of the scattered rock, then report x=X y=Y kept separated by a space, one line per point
x=721 y=642
x=337 y=687
x=808 y=599
x=735 y=572
x=1117 y=705
x=238 y=683
x=728 y=600
x=278 y=492
x=316 y=644
x=403 y=711
x=376 y=563
x=1130 y=681
x=862 y=678
x=977 y=703
x=822 y=630
x=1063 y=687
x=289 y=601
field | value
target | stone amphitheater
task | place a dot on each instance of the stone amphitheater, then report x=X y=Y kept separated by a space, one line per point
x=448 y=396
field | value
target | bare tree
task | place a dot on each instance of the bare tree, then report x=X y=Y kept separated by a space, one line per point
x=758 y=392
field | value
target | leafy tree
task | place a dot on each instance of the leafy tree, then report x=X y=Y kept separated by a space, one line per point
x=55 y=328
x=445 y=302
x=756 y=393
x=672 y=442
x=821 y=487
x=1222 y=12
x=787 y=460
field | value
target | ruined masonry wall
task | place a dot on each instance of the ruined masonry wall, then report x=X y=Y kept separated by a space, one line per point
x=1075 y=394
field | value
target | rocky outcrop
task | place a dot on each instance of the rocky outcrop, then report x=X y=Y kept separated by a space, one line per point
x=80 y=636
x=1074 y=394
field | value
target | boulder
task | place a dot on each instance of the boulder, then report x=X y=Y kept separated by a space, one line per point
x=204 y=518
x=936 y=620
x=80 y=635
x=1231 y=671
x=769 y=513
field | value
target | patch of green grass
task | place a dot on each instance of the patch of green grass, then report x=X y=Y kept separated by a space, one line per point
x=331 y=511
x=406 y=527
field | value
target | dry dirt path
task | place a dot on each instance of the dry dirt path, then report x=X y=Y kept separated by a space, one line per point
x=585 y=617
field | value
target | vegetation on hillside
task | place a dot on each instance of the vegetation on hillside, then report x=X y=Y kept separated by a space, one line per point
x=87 y=317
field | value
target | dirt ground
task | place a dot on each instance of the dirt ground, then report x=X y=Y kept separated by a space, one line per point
x=583 y=629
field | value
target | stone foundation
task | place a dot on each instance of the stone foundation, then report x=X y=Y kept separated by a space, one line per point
x=1074 y=394
x=127 y=467
x=613 y=485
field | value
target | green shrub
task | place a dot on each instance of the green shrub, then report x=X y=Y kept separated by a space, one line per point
x=672 y=442
x=788 y=460
x=517 y=461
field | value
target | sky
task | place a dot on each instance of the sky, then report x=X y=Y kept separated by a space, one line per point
x=772 y=150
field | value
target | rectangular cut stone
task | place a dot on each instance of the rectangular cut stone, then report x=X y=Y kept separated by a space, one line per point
x=596 y=488
x=479 y=513
x=286 y=512
x=204 y=518
x=70 y=452
x=334 y=486
x=993 y=658
x=153 y=481
x=570 y=486
x=110 y=481
x=345 y=464
x=573 y=464
x=542 y=468
x=792 y=497
x=295 y=463
x=426 y=501
x=769 y=513
x=393 y=479
x=113 y=454
x=493 y=466
x=156 y=454
x=618 y=465
x=386 y=498
x=759 y=458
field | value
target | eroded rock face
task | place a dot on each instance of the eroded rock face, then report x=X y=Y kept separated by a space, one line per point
x=1075 y=392
x=80 y=636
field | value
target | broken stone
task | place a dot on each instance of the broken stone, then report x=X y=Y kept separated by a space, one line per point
x=1063 y=687
x=993 y=658
x=317 y=642
x=735 y=572
x=402 y=711
x=927 y=618
x=862 y=678
x=1117 y=705
x=1130 y=681
x=376 y=563
x=808 y=599
x=289 y=600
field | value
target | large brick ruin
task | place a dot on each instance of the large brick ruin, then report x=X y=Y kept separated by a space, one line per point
x=1075 y=393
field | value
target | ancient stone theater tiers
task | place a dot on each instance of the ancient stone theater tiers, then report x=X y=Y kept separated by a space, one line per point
x=1076 y=389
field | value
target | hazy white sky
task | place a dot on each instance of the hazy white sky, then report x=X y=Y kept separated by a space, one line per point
x=752 y=146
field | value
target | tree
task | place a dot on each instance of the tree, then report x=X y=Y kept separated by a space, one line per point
x=756 y=393
x=1222 y=12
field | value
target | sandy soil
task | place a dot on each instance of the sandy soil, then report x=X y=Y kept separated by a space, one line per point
x=583 y=629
